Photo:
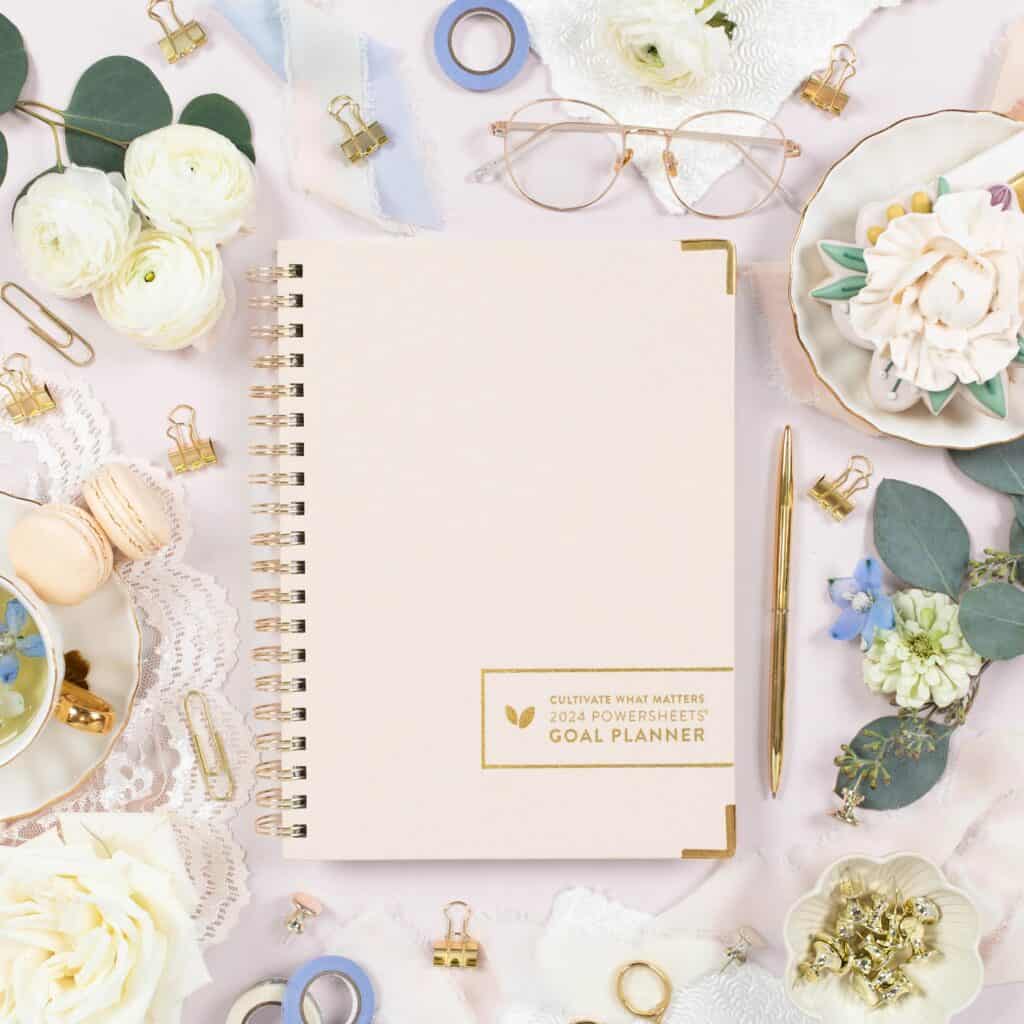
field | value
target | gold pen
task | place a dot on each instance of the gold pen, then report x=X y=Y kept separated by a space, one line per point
x=780 y=611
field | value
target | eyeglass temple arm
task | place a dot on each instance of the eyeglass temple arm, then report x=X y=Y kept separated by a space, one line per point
x=791 y=200
x=494 y=169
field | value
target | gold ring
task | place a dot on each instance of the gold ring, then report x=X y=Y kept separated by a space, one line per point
x=656 y=1012
x=84 y=711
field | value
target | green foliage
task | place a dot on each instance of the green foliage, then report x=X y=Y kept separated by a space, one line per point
x=938 y=400
x=992 y=395
x=999 y=466
x=224 y=116
x=3 y=158
x=992 y=619
x=843 y=290
x=13 y=65
x=722 y=20
x=849 y=256
x=920 y=538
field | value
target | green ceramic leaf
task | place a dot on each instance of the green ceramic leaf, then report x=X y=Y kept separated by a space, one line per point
x=841 y=291
x=1019 y=357
x=910 y=778
x=999 y=466
x=938 y=400
x=13 y=64
x=3 y=158
x=222 y=115
x=30 y=183
x=920 y=538
x=992 y=618
x=118 y=97
x=992 y=395
x=944 y=187
x=849 y=256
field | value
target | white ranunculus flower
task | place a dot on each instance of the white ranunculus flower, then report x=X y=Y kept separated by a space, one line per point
x=668 y=44
x=944 y=291
x=191 y=181
x=168 y=292
x=97 y=932
x=72 y=229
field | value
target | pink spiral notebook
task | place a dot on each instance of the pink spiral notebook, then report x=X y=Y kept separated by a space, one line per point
x=503 y=473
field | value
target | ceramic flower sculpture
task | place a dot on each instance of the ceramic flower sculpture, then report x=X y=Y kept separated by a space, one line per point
x=933 y=287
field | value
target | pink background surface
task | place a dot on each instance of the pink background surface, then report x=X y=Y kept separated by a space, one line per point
x=926 y=55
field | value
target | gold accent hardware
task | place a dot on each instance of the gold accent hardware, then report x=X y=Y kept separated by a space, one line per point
x=27 y=397
x=458 y=948
x=360 y=140
x=62 y=348
x=218 y=780
x=825 y=90
x=180 y=38
x=191 y=452
x=836 y=496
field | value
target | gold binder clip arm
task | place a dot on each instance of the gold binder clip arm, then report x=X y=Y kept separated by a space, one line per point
x=190 y=452
x=836 y=496
x=359 y=141
x=71 y=336
x=27 y=397
x=827 y=89
x=216 y=770
x=181 y=38
x=457 y=948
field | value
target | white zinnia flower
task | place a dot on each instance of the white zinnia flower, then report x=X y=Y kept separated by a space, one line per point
x=944 y=292
x=668 y=44
x=72 y=229
x=168 y=293
x=925 y=658
x=191 y=181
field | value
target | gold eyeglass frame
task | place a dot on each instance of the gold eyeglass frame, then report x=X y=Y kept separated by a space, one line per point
x=506 y=129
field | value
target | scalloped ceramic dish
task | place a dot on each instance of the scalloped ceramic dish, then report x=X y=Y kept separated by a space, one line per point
x=948 y=985
x=901 y=156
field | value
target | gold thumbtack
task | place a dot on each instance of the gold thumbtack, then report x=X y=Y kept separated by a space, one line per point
x=181 y=38
x=190 y=452
x=362 y=139
x=27 y=397
x=215 y=769
x=305 y=908
x=737 y=953
x=836 y=496
x=457 y=948
x=847 y=814
x=826 y=88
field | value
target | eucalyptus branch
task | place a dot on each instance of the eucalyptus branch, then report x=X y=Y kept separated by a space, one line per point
x=914 y=738
x=31 y=107
x=995 y=567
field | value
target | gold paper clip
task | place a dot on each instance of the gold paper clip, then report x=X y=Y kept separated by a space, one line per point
x=361 y=140
x=217 y=777
x=826 y=89
x=190 y=452
x=457 y=948
x=62 y=347
x=26 y=396
x=836 y=496
x=181 y=38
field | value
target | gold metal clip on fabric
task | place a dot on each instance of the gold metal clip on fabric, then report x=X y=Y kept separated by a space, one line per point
x=361 y=139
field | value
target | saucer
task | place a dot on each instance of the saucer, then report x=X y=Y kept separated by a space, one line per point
x=105 y=629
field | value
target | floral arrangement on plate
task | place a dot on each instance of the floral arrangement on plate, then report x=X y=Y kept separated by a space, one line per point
x=926 y=647
x=136 y=216
x=932 y=287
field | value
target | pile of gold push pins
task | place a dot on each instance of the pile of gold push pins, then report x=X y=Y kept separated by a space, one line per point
x=874 y=937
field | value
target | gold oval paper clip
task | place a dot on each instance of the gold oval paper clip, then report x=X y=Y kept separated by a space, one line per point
x=836 y=496
x=216 y=771
x=458 y=948
x=63 y=348
x=655 y=1012
x=181 y=39
x=191 y=452
x=363 y=139
x=27 y=396
x=826 y=89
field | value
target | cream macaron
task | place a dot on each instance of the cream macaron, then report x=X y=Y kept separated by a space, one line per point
x=61 y=553
x=128 y=509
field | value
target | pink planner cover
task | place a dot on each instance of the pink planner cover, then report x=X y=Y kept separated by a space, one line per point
x=517 y=540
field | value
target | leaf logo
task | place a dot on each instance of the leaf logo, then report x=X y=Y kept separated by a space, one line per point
x=521 y=720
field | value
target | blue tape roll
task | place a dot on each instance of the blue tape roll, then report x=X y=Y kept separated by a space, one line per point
x=303 y=978
x=481 y=81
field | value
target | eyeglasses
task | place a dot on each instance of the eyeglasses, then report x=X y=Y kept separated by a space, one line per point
x=567 y=154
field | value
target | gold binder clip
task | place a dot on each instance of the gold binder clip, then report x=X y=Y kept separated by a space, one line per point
x=190 y=452
x=216 y=771
x=836 y=496
x=62 y=347
x=826 y=89
x=457 y=948
x=180 y=38
x=26 y=396
x=363 y=139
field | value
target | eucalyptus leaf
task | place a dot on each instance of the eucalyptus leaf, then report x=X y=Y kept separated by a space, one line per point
x=13 y=64
x=920 y=538
x=849 y=256
x=1016 y=538
x=911 y=773
x=842 y=290
x=224 y=116
x=1018 y=507
x=999 y=466
x=992 y=620
x=118 y=97
x=3 y=158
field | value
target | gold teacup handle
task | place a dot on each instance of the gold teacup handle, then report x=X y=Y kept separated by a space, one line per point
x=83 y=710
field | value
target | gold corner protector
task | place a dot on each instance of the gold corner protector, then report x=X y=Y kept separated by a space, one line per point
x=730 y=841
x=717 y=245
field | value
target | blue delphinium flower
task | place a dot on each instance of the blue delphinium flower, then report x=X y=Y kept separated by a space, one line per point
x=865 y=607
x=12 y=640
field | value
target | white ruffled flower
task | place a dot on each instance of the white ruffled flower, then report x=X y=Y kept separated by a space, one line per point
x=925 y=658
x=944 y=291
x=97 y=934
x=72 y=229
x=668 y=44
x=191 y=181
x=168 y=292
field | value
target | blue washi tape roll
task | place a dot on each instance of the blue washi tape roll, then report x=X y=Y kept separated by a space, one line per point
x=363 y=1002
x=492 y=78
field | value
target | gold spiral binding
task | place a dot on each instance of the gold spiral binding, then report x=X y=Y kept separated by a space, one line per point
x=271 y=596
x=278 y=713
x=290 y=301
x=277 y=684
x=278 y=420
x=270 y=826
x=277 y=568
x=275 y=624
x=265 y=275
x=274 y=771
x=276 y=391
x=279 y=361
x=279 y=508
x=278 y=539
x=278 y=656
x=293 y=449
x=274 y=332
x=276 y=800
x=277 y=479
x=275 y=743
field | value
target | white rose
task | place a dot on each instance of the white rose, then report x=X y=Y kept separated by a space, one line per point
x=668 y=44
x=168 y=293
x=72 y=229
x=191 y=181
